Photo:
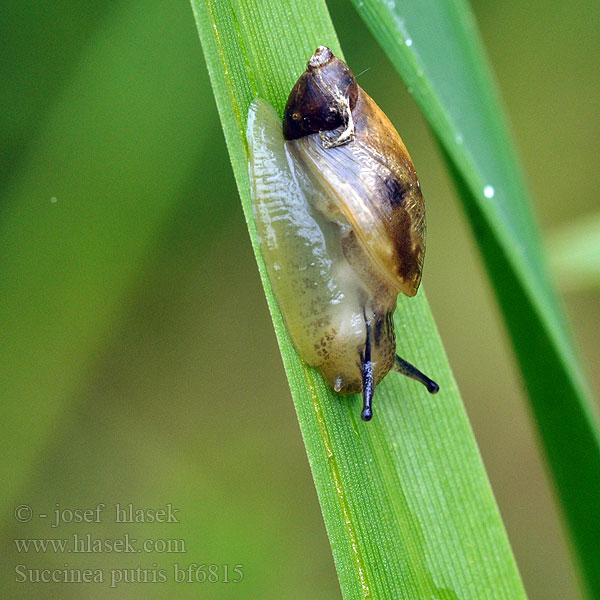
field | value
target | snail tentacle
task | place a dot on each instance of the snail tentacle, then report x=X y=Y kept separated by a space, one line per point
x=368 y=380
x=404 y=367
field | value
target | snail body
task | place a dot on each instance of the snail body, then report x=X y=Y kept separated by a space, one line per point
x=340 y=216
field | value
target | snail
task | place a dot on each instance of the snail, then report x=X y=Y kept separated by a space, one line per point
x=341 y=222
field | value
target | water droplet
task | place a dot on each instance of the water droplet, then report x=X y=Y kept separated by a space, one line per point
x=488 y=191
x=458 y=139
x=53 y=200
x=408 y=42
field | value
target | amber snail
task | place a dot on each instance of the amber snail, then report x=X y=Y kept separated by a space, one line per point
x=341 y=221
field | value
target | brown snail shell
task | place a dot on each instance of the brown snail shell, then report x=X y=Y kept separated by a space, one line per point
x=341 y=218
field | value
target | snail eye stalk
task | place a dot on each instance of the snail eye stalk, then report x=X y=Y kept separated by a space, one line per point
x=404 y=367
x=368 y=381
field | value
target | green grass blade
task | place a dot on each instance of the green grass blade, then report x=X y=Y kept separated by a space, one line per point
x=405 y=498
x=435 y=47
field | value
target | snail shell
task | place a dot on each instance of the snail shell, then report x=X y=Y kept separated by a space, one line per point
x=340 y=216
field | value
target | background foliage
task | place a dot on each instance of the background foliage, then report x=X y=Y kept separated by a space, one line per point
x=151 y=395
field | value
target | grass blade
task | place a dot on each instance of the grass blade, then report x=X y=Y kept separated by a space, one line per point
x=435 y=47
x=405 y=498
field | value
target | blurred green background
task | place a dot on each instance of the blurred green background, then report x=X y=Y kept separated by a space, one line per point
x=138 y=360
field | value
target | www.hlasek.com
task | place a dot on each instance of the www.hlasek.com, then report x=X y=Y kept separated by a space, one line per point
x=86 y=543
